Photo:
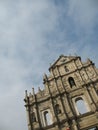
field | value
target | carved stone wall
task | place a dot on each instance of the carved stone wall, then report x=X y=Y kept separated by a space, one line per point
x=69 y=100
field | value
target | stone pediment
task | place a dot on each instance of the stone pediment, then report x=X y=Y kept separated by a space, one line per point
x=61 y=60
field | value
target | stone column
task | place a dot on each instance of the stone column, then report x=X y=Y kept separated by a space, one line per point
x=28 y=111
x=74 y=125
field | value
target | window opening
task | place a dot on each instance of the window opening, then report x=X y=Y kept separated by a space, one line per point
x=81 y=106
x=71 y=82
x=97 y=92
x=57 y=109
x=47 y=118
x=33 y=117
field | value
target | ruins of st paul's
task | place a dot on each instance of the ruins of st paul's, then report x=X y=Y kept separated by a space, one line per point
x=69 y=100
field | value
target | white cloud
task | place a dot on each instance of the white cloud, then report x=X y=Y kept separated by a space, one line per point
x=23 y=26
x=83 y=12
x=32 y=34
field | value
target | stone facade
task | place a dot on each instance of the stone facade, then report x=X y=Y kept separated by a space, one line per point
x=69 y=100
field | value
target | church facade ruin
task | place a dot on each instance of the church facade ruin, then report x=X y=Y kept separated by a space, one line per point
x=69 y=100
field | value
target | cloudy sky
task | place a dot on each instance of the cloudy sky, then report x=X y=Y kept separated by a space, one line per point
x=33 y=33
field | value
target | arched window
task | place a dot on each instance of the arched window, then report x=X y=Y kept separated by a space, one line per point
x=47 y=118
x=71 y=81
x=57 y=109
x=81 y=106
x=33 y=117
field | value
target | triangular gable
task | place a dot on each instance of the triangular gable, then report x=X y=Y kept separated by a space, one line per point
x=61 y=60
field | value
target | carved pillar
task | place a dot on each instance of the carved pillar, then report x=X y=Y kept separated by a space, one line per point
x=93 y=66
x=36 y=108
x=27 y=105
x=79 y=71
x=46 y=82
x=74 y=124
x=66 y=116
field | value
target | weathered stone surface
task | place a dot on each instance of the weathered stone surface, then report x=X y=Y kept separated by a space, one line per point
x=55 y=108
